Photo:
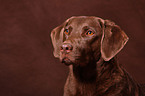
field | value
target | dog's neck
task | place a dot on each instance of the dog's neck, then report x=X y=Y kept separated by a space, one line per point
x=85 y=73
x=101 y=76
x=105 y=69
x=95 y=70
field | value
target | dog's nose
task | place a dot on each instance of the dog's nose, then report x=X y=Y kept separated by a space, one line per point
x=66 y=47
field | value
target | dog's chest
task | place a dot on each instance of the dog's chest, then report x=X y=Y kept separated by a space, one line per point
x=85 y=89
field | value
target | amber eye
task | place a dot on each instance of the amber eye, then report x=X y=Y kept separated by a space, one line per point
x=89 y=32
x=66 y=31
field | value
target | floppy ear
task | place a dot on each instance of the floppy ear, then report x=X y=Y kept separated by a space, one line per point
x=57 y=38
x=113 y=40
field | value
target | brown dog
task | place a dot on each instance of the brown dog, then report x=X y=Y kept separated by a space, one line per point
x=89 y=45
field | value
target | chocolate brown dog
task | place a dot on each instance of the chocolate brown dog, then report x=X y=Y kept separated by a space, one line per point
x=88 y=45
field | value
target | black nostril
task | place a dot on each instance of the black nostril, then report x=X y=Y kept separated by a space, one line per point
x=61 y=48
x=71 y=47
x=67 y=48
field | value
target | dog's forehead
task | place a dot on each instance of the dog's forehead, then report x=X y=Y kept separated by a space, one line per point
x=78 y=24
x=84 y=21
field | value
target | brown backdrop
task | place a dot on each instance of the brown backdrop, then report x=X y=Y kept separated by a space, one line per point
x=27 y=65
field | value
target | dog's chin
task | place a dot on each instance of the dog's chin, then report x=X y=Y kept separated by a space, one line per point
x=75 y=63
x=66 y=61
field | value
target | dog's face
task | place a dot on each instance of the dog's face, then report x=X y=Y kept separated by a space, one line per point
x=82 y=40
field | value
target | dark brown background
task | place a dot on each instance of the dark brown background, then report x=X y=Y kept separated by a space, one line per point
x=27 y=65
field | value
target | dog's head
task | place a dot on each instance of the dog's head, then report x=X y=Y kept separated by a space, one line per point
x=83 y=39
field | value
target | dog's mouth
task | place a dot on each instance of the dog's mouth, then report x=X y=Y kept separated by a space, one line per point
x=76 y=61
x=66 y=61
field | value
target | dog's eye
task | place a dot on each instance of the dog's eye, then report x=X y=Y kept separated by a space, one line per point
x=66 y=31
x=89 y=32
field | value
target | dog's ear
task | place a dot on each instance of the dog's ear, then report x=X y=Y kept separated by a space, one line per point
x=57 y=37
x=113 y=40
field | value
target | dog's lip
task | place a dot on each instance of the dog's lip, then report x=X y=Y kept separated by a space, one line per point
x=66 y=61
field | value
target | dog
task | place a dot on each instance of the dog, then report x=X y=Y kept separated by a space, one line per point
x=89 y=45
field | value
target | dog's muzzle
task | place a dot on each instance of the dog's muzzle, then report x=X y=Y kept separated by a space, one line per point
x=65 y=49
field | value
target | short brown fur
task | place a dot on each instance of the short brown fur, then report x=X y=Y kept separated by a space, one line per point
x=93 y=68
